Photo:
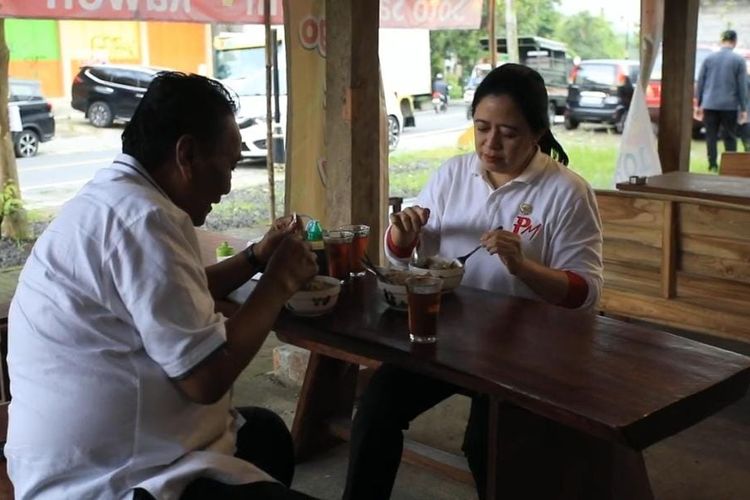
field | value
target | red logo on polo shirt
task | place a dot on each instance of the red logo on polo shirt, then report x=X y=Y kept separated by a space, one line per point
x=524 y=225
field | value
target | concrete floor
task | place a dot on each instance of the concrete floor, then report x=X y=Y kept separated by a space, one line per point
x=710 y=461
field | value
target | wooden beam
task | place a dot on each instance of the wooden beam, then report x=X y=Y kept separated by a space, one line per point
x=669 y=251
x=355 y=165
x=678 y=70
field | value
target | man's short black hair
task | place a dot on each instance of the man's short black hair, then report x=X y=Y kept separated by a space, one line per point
x=729 y=36
x=176 y=104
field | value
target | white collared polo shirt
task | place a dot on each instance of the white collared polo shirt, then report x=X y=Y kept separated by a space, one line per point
x=111 y=305
x=550 y=207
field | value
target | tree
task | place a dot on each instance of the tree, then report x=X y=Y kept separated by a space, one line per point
x=15 y=222
x=590 y=37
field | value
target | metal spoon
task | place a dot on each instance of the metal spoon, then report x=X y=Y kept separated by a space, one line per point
x=373 y=269
x=464 y=258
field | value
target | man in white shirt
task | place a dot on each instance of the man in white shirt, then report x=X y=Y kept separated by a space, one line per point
x=120 y=365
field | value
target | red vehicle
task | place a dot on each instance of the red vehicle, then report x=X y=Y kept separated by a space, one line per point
x=653 y=90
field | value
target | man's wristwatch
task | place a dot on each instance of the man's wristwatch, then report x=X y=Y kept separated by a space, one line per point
x=252 y=258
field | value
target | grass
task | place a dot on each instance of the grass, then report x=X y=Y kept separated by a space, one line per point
x=593 y=155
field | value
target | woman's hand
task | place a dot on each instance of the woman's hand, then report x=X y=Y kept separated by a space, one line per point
x=282 y=227
x=407 y=224
x=507 y=246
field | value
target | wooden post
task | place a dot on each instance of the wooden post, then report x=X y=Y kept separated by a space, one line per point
x=491 y=36
x=269 y=117
x=678 y=70
x=511 y=32
x=355 y=167
x=15 y=224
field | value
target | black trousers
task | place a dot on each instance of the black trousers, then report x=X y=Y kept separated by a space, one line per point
x=533 y=447
x=263 y=441
x=715 y=120
x=393 y=398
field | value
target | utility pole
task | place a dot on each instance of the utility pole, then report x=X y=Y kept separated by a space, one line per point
x=511 y=31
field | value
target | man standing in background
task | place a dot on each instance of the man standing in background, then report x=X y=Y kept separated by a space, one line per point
x=722 y=96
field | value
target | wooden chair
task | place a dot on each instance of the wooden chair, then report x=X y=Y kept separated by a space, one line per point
x=736 y=164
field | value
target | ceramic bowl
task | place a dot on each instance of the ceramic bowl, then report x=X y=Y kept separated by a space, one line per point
x=451 y=271
x=320 y=297
x=394 y=293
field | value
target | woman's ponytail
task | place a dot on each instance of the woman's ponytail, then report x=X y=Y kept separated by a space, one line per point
x=549 y=145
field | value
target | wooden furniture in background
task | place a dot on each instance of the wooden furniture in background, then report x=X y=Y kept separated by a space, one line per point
x=736 y=164
x=677 y=253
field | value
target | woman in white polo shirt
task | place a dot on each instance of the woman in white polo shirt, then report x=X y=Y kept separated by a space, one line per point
x=549 y=249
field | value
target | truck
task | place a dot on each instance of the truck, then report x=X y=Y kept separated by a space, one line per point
x=239 y=63
x=549 y=57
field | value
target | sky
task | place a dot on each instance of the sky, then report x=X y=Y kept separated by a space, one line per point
x=619 y=12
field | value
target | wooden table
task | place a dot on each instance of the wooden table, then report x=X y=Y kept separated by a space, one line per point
x=613 y=381
x=726 y=189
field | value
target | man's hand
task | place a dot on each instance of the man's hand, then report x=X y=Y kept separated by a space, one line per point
x=291 y=265
x=407 y=224
x=507 y=246
x=698 y=114
x=282 y=227
x=742 y=118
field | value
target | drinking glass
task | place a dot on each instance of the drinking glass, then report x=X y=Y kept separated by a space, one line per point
x=359 y=247
x=423 y=296
x=338 y=245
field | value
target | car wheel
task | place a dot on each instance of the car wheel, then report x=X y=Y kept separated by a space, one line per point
x=570 y=123
x=26 y=144
x=552 y=112
x=100 y=114
x=620 y=123
x=394 y=133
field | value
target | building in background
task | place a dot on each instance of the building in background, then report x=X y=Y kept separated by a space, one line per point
x=52 y=51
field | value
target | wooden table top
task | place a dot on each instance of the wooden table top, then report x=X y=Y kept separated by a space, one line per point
x=611 y=379
x=726 y=189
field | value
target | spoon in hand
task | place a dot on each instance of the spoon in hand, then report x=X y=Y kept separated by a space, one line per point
x=464 y=258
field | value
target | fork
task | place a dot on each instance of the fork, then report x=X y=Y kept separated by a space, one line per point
x=464 y=258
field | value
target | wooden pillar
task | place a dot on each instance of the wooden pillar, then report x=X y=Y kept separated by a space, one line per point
x=356 y=166
x=678 y=70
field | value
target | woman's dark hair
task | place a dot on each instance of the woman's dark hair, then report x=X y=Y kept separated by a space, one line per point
x=526 y=87
x=176 y=104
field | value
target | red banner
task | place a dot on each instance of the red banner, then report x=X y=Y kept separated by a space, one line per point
x=430 y=14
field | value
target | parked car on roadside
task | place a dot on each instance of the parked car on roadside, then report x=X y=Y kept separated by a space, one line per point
x=600 y=92
x=37 y=120
x=109 y=92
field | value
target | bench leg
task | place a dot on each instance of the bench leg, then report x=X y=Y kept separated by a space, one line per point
x=327 y=394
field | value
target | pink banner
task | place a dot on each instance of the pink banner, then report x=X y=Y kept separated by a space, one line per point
x=430 y=14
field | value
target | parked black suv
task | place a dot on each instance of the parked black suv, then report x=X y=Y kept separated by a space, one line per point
x=37 y=120
x=600 y=92
x=108 y=92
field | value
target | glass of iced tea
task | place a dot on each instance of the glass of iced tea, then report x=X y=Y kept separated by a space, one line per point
x=423 y=296
x=359 y=247
x=338 y=245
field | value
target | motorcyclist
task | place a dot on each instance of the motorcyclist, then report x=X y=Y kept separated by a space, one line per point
x=440 y=87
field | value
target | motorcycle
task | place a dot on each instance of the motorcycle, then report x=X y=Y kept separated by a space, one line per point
x=439 y=102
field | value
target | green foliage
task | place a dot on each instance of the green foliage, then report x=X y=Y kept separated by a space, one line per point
x=590 y=37
x=10 y=200
x=533 y=17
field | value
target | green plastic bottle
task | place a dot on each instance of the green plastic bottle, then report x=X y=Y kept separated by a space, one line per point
x=224 y=251
x=314 y=234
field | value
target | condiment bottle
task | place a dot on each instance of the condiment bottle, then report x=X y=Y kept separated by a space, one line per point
x=314 y=234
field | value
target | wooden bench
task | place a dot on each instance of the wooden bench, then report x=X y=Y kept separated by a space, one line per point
x=680 y=258
x=736 y=164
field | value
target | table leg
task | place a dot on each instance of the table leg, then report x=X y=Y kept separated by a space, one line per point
x=327 y=393
x=532 y=457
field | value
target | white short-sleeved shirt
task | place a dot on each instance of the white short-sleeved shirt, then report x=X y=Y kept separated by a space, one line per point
x=112 y=303
x=552 y=209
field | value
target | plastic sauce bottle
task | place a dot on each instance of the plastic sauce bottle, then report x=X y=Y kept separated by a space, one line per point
x=314 y=234
x=224 y=251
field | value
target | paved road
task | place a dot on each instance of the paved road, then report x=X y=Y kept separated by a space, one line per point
x=79 y=150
